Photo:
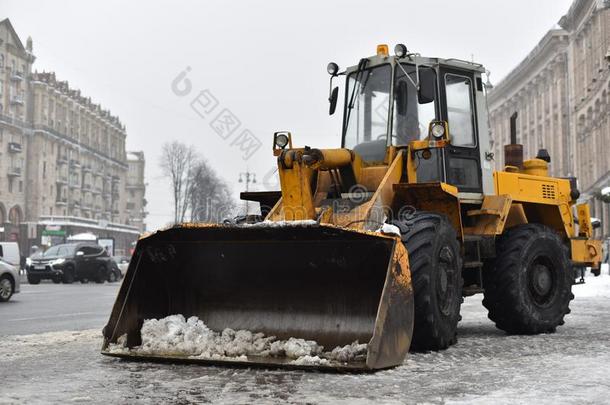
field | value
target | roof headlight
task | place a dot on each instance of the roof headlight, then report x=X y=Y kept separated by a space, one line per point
x=400 y=50
x=332 y=69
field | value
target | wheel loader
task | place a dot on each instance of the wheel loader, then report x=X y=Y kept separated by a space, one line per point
x=377 y=241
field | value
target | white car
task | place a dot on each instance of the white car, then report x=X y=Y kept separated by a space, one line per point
x=9 y=252
x=122 y=263
x=9 y=281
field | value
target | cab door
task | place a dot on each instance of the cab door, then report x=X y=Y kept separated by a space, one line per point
x=458 y=108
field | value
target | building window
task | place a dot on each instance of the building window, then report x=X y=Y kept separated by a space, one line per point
x=20 y=186
x=44 y=170
x=10 y=185
x=1 y=61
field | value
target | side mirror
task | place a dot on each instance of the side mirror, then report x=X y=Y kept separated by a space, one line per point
x=334 y=95
x=402 y=97
x=80 y=253
x=596 y=223
x=427 y=86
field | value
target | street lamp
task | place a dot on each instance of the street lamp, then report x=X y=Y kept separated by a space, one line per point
x=247 y=177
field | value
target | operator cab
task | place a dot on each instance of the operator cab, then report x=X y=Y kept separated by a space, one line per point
x=393 y=100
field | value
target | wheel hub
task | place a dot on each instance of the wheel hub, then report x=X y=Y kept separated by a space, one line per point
x=542 y=280
x=5 y=288
x=445 y=277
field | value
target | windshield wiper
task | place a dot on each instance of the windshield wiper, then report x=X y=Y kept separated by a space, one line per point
x=359 y=71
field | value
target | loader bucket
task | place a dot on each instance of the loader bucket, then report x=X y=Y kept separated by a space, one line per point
x=316 y=282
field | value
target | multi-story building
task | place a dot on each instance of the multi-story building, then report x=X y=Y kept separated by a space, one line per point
x=560 y=93
x=62 y=157
x=136 y=189
x=15 y=65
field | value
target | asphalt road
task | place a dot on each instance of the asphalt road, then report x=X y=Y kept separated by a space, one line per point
x=49 y=307
x=486 y=366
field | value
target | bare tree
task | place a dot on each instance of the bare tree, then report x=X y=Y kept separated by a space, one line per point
x=177 y=161
x=210 y=196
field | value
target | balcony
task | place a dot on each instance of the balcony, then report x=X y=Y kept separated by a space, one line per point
x=62 y=180
x=17 y=100
x=62 y=160
x=14 y=172
x=87 y=187
x=14 y=147
x=16 y=76
x=74 y=163
x=87 y=169
x=63 y=201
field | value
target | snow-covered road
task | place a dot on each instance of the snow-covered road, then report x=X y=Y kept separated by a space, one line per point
x=486 y=366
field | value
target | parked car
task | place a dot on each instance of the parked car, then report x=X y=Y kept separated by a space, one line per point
x=9 y=252
x=122 y=263
x=9 y=280
x=70 y=262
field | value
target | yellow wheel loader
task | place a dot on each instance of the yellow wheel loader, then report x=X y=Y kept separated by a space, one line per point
x=376 y=242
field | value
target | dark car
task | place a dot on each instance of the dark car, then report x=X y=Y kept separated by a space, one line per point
x=71 y=262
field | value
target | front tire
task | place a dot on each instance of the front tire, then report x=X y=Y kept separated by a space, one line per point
x=68 y=277
x=529 y=287
x=436 y=264
x=7 y=287
x=33 y=279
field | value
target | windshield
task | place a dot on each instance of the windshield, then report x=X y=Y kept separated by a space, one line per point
x=60 y=250
x=368 y=101
x=411 y=119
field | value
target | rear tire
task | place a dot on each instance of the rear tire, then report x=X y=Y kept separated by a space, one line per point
x=112 y=276
x=101 y=275
x=529 y=287
x=436 y=265
x=68 y=277
x=33 y=279
x=7 y=288
x=56 y=279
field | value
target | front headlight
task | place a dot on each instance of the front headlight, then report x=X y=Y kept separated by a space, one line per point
x=57 y=261
x=28 y=262
x=438 y=130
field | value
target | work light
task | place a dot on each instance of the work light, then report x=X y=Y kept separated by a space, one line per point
x=332 y=69
x=281 y=140
x=400 y=50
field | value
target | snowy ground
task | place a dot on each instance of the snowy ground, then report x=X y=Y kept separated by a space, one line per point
x=486 y=366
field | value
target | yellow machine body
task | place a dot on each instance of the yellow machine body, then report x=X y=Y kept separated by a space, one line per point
x=322 y=265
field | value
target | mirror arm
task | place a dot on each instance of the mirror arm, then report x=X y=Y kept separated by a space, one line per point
x=415 y=84
x=330 y=88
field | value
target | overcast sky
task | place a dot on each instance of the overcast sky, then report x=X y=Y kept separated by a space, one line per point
x=265 y=61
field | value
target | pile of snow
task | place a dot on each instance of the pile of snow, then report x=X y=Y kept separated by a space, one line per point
x=389 y=229
x=176 y=336
x=281 y=224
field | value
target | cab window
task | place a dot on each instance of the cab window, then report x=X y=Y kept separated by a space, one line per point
x=366 y=112
x=411 y=118
x=460 y=112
